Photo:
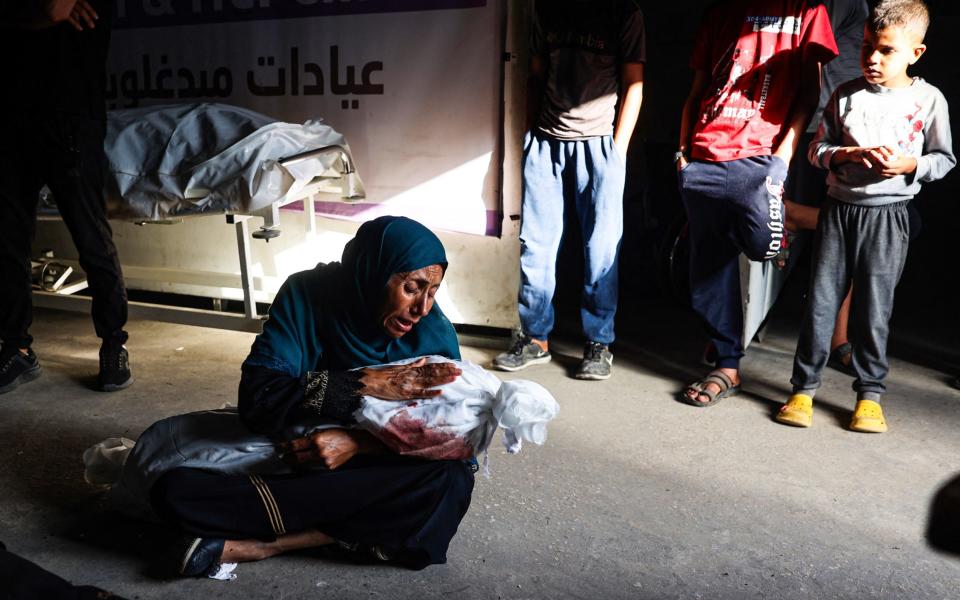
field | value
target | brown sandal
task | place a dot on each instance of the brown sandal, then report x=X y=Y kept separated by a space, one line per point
x=717 y=377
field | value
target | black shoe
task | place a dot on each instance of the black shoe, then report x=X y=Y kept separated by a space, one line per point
x=17 y=368
x=200 y=556
x=597 y=362
x=114 y=368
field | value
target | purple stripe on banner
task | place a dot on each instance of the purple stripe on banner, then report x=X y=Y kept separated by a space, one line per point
x=350 y=210
x=356 y=211
x=494 y=222
x=140 y=13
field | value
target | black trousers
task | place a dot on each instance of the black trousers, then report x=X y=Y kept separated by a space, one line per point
x=65 y=152
x=411 y=507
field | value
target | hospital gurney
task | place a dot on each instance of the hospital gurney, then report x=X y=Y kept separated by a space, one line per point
x=167 y=163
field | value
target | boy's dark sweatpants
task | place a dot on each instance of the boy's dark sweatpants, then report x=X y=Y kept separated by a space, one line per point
x=868 y=246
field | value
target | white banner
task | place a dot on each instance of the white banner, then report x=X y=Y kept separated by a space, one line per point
x=414 y=85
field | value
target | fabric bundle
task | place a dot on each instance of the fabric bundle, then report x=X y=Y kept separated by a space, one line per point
x=460 y=422
x=456 y=425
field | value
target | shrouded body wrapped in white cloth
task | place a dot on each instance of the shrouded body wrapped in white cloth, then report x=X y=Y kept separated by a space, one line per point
x=458 y=424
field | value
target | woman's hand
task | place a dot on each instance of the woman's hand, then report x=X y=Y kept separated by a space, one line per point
x=333 y=447
x=408 y=382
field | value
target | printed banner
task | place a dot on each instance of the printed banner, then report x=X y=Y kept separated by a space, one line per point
x=414 y=85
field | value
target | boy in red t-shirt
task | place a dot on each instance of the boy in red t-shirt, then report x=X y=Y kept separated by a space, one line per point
x=756 y=82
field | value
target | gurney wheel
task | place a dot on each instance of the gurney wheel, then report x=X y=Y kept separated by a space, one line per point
x=266 y=234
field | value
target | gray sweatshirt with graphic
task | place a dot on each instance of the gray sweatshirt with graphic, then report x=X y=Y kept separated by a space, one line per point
x=913 y=120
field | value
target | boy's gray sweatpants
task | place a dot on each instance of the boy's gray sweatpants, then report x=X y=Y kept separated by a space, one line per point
x=868 y=246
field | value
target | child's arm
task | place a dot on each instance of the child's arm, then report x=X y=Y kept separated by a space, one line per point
x=825 y=142
x=631 y=82
x=691 y=109
x=537 y=72
x=803 y=108
x=631 y=56
x=825 y=150
x=938 y=157
x=879 y=158
x=536 y=85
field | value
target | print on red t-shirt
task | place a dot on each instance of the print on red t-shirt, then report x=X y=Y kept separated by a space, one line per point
x=754 y=52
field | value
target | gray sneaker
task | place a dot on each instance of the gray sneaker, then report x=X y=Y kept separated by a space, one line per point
x=597 y=361
x=525 y=352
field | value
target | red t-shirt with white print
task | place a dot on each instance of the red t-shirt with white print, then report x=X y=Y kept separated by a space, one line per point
x=754 y=51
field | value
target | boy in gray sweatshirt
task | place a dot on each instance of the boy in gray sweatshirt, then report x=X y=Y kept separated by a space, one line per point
x=882 y=135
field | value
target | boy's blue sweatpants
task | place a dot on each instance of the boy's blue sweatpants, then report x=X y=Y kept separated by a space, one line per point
x=586 y=176
x=732 y=207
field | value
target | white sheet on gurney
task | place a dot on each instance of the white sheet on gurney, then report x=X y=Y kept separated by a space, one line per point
x=178 y=160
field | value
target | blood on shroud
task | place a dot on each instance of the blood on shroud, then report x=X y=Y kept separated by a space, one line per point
x=411 y=437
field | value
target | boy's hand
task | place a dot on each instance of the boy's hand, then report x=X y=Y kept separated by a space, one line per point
x=887 y=163
x=858 y=155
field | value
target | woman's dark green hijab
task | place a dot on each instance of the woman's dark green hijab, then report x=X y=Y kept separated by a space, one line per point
x=327 y=318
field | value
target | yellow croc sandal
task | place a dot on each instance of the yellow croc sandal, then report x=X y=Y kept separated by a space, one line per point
x=798 y=411
x=868 y=417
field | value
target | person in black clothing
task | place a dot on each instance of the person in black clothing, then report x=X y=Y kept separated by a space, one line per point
x=328 y=329
x=54 y=124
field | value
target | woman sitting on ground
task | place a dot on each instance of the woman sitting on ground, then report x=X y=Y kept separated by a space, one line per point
x=374 y=307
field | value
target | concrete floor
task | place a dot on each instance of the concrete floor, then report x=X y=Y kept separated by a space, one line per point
x=633 y=496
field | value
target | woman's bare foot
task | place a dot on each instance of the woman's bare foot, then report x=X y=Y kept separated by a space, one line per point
x=236 y=551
